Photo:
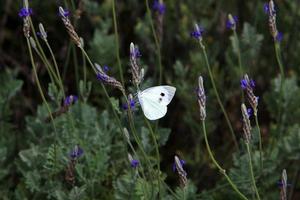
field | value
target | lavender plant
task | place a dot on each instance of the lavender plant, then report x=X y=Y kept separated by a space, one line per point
x=74 y=129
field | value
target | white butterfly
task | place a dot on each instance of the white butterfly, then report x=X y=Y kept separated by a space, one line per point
x=154 y=101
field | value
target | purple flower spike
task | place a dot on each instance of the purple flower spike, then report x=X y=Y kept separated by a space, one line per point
x=134 y=163
x=198 y=32
x=249 y=112
x=106 y=68
x=266 y=8
x=76 y=152
x=159 y=7
x=230 y=24
x=70 y=99
x=182 y=162
x=131 y=103
x=101 y=77
x=244 y=84
x=136 y=53
x=25 y=12
x=65 y=13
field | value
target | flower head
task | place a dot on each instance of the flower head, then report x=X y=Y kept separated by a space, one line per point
x=70 y=100
x=197 y=33
x=249 y=112
x=25 y=12
x=246 y=124
x=106 y=68
x=63 y=12
x=76 y=152
x=231 y=22
x=201 y=98
x=247 y=83
x=134 y=163
x=180 y=171
x=159 y=7
x=182 y=162
x=135 y=52
x=131 y=103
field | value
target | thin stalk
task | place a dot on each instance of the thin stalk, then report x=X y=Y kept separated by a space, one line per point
x=66 y=65
x=260 y=144
x=222 y=171
x=42 y=54
x=282 y=78
x=117 y=42
x=44 y=99
x=156 y=149
x=84 y=70
x=218 y=97
x=75 y=65
x=51 y=73
x=56 y=68
x=157 y=44
x=251 y=171
x=239 y=59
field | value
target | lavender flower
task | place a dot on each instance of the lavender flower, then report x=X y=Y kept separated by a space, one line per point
x=197 y=33
x=231 y=22
x=25 y=12
x=105 y=79
x=106 y=68
x=70 y=28
x=201 y=98
x=64 y=13
x=76 y=152
x=42 y=33
x=246 y=124
x=283 y=192
x=249 y=112
x=248 y=85
x=182 y=162
x=131 y=103
x=180 y=171
x=134 y=163
x=70 y=100
x=269 y=9
x=159 y=6
x=137 y=73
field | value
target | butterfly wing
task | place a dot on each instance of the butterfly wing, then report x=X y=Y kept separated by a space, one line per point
x=162 y=94
x=154 y=101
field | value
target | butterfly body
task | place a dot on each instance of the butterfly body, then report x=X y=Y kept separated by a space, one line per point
x=154 y=101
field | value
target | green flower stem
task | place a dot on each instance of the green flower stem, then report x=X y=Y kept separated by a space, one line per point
x=117 y=42
x=43 y=98
x=222 y=171
x=239 y=59
x=260 y=144
x=217 y=95
x=251 y=171
x=75 y=65
x=49 y=69
x=238 y=53
x=156 y=149
x=84 y=71
x=157 y=44
x=282 y=78
x=67 y=61
x=56 y=68
x=42 y=55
